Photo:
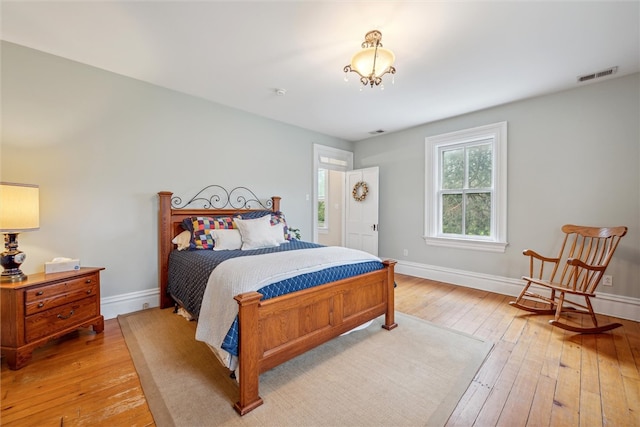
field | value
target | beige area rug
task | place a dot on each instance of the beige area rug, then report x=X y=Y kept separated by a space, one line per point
x=413 y=375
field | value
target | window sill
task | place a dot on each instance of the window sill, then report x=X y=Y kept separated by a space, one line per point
x=477 y=245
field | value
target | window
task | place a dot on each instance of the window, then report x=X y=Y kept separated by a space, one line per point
x=323 y=182
x=466 y=188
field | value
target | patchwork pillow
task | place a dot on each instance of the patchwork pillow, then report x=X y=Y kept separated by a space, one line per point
x=226 y=240
x=256 y=233
x=182 y=240
x=201 y=228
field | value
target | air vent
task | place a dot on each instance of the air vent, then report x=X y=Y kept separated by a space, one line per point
x=376 y=132
x=603 y=73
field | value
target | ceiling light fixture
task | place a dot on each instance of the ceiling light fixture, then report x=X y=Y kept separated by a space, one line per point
x=372 y=62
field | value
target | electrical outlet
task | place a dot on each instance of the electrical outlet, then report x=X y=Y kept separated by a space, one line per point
x=145 y=305
x=607 y=280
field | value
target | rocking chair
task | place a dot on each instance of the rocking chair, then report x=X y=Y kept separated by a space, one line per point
x=576 y=272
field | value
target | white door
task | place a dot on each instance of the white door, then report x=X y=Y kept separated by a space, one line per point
x=361 y=226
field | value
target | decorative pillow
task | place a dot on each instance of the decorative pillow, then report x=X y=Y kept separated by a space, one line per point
x=202 y=226
x=256 y=233
x=182 y=240
x=276 y=218
x=226 y=240
x=277 y=232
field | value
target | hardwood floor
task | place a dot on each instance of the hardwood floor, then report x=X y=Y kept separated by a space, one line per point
x=536 y=375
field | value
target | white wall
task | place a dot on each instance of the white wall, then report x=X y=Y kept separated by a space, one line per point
x=101 y=146
x=574 y=157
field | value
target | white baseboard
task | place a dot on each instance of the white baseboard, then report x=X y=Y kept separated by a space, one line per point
x=609 y=304
x=612 y=305
x=111 y=307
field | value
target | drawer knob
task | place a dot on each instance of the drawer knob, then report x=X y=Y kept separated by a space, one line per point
x=88 y=281
x=60 y=316
x=88 y=291
x=39 y=293
x=41 y=305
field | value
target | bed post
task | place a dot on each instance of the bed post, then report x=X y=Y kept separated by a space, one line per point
x=275 y=203
x=249 y=352
x=389 y=318
x=164 y=245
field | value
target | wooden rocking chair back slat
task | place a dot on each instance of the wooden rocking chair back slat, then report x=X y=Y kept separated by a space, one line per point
x=578 y=269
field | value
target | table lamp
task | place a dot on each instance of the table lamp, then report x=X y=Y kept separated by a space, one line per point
x=19 y=211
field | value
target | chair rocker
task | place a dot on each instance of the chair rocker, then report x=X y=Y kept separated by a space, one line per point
x=574 y=274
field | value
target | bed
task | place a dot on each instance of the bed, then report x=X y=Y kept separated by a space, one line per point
x=271 y=329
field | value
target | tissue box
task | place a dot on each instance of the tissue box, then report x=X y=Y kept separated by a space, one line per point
x=59 y=266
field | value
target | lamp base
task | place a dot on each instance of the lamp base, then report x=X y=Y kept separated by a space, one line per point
x=11 y=259
x=13 y=277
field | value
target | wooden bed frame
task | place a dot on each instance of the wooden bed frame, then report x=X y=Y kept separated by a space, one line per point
x=279 y=329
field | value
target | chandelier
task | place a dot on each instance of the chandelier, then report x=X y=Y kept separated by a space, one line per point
x=373 y=61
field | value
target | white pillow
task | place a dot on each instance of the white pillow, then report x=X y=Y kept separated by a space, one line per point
x=256 y=233
x=183 y=240
x=278 y=233
x=226 y=240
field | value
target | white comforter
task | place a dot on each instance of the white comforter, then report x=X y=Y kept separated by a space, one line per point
x=250 y=273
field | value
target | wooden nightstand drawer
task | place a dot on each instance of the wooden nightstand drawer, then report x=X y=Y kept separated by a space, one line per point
x=59 y=318
x=55 y=300
x=67 y=286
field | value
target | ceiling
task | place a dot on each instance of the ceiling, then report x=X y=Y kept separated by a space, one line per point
x=451 y=57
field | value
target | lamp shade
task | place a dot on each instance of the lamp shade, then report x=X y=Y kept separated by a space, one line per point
x=19 y=207
x=372 y=62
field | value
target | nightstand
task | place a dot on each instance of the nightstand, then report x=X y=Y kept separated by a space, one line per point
x=47 y=306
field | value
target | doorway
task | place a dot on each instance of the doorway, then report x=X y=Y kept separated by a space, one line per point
x=331 y=207
x=329 y=168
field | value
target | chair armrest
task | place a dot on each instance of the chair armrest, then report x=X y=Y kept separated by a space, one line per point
x=534 y=254
x=537 y=263
x=578 y=263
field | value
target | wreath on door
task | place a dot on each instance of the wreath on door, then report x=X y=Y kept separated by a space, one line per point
x=360 y=191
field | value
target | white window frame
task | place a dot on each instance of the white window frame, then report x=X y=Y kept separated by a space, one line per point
x=497 y=242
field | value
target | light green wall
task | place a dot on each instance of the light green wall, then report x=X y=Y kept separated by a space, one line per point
x=101 y=146
x=574 y=157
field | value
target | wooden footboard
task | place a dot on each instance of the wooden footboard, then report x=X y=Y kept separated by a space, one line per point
x=278 y=329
